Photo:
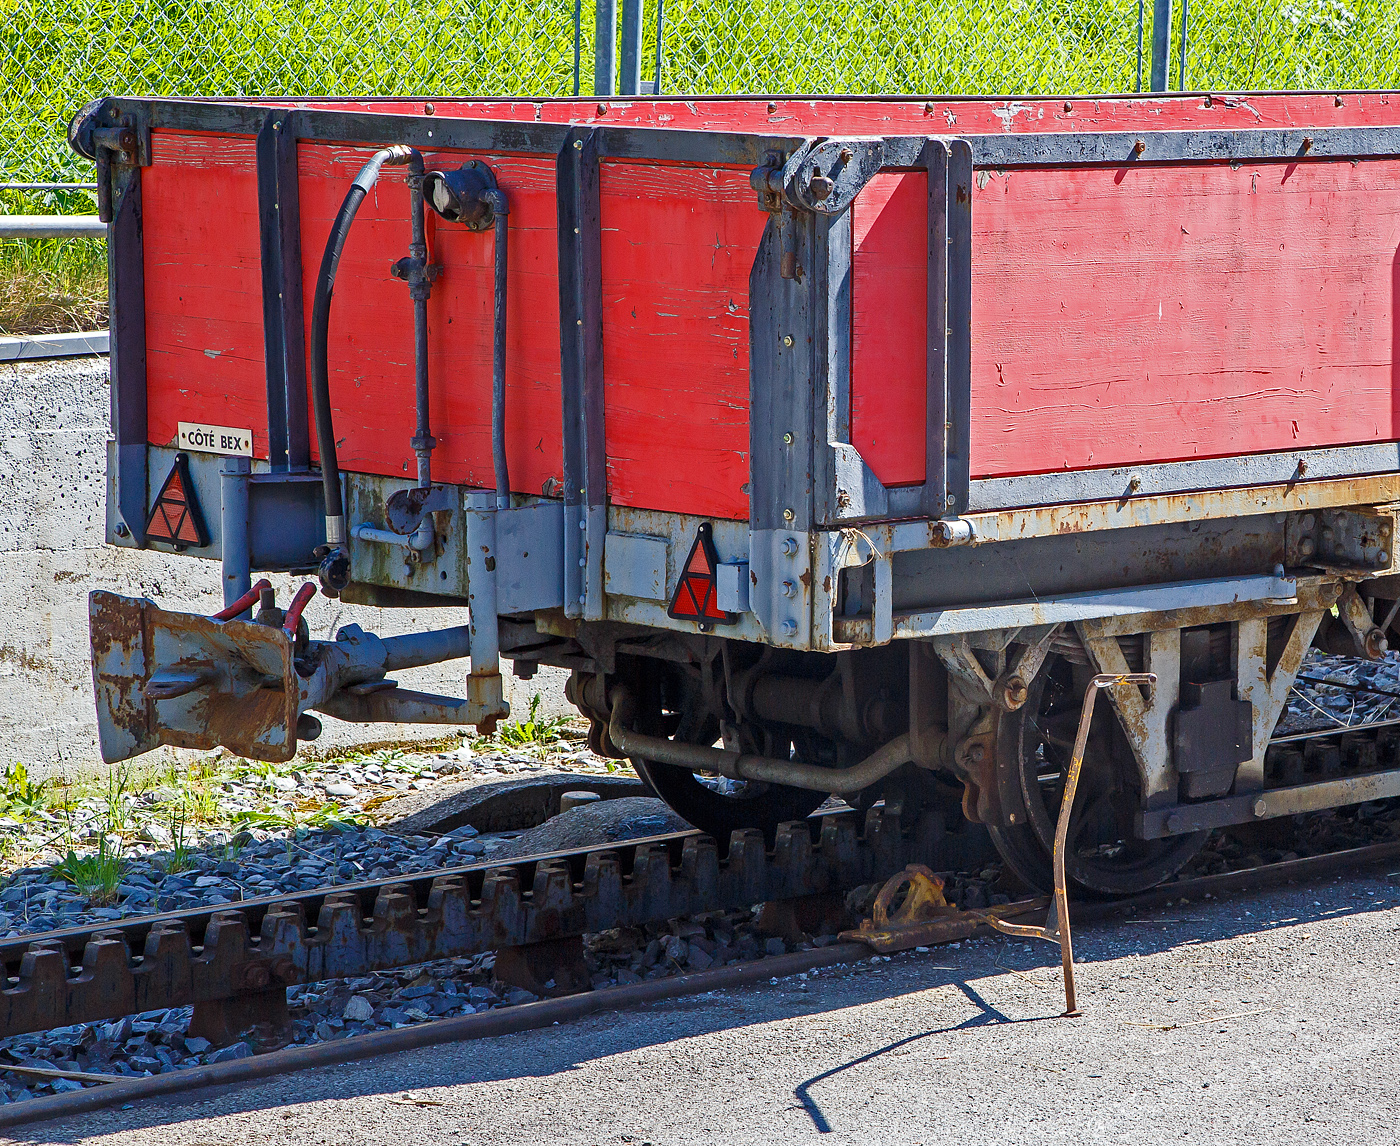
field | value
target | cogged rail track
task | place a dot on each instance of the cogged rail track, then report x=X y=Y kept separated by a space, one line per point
x=233 y=964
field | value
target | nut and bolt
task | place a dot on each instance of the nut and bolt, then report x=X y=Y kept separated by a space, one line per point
x=1261 y=807
x=788 y=515
x=1014 y=693
x=787 y=340
x=789 y=628
x=787 y=438
x=789 y=547
x=789 y=589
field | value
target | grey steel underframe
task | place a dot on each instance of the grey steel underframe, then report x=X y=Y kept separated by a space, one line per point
x=581 y=372
x=284 y=338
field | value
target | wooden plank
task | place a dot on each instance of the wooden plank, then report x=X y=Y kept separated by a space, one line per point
x=889 y=356
x=371 y=333
x=203 y=268
x=678 y=245
x=1160 y=314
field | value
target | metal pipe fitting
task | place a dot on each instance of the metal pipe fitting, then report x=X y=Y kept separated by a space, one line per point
x=951 y=531
x=737 y=766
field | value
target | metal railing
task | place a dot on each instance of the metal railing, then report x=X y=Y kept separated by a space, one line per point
x=55 y=55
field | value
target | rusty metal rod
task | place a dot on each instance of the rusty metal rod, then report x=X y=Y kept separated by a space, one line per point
x=487 y=1024
x=1057 y=929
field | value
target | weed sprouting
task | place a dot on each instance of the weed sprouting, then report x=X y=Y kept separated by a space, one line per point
x=97 y=874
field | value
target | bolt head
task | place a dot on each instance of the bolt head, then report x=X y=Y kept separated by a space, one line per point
x=788 y=515
x=789 y=628
x=787 y=438
x=787 y=340
x=1261 y=807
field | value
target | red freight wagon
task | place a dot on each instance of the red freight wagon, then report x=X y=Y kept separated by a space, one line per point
x=831 y=444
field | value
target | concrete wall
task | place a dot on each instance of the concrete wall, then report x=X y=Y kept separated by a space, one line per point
x=53 y=434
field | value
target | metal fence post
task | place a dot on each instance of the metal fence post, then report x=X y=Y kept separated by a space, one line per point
x=605 y=48
x=629 y=81
x=1161 y=43
x=1185 y=17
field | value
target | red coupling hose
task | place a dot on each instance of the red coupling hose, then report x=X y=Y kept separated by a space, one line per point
x=294 y=611
x=244 y=603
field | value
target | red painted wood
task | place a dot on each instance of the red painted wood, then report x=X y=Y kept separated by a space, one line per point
x=1157 y=314
x=678 y=246
x=204 y=335
x=889 y=305
x=371 y=335
x=1072 y=366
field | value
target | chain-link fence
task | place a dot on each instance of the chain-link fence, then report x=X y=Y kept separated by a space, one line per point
x=55 y=55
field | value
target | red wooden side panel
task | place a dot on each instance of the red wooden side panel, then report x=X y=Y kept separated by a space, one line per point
x=889 y=349
x=204 y=332
x=678 y=246
x=1155 y=314
x=371 y=334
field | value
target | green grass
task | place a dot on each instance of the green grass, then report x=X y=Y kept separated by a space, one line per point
x=56 y=55
x=96 y=874
x=534 y=732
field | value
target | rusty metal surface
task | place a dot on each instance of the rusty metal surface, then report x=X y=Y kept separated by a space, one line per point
x=206 y=956
x=245 y=693
x=1131 y=511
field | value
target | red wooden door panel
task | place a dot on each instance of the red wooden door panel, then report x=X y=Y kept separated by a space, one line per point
x=1145 y=315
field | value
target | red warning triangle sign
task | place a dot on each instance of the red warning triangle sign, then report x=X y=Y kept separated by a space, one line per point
x=175 y=516
x=695 y=599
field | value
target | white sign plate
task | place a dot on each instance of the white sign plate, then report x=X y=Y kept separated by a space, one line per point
x=216 y=439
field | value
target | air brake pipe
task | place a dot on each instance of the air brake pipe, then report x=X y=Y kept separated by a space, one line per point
x=837 y=781
x=320 y=333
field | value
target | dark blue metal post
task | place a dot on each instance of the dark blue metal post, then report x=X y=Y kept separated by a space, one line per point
x=1161 y=43
x=629 y=81
x=605 y=48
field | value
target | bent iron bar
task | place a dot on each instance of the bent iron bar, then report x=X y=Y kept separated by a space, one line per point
x=234 y=962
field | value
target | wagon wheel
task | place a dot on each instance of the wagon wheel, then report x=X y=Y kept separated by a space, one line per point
x=719 y=806
x=1104 y=855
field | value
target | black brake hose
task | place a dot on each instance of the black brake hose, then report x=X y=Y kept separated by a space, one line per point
x=320 y=332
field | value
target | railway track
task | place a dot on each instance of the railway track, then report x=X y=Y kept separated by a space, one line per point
x=233 y=965
x=548 y=1012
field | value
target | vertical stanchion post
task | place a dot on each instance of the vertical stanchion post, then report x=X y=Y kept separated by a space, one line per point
x=1181 y=72
x=234 y=474
x=605 y=48
x=1142 y=4
x=1161 y=42
x=660 y=41
x=578 y=42
x=629 y=80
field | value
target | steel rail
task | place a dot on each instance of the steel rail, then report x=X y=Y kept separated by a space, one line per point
x=534 y=1016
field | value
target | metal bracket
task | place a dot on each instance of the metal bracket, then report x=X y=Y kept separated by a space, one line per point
x=1348 y=541
x=1267 y=690
x=1145 y=719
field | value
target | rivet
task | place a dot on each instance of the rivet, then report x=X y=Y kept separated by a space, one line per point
x=772 y=107
x=575 y=230
x=602 y=109
x=1339 y=101
x=788 y=515
x=428 y=109
x=1382 y=556
x=1068 y=106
